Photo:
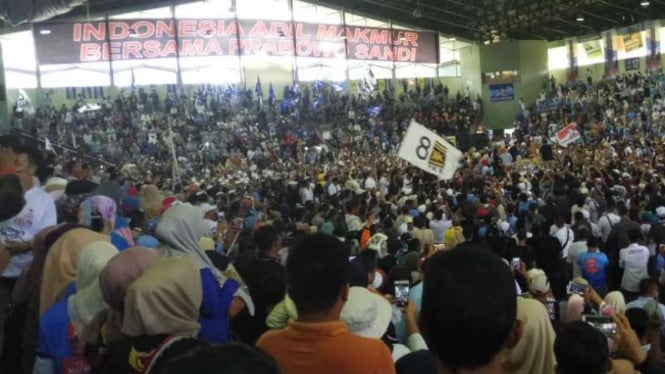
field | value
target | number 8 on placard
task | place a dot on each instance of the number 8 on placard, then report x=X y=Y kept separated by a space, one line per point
x=425 y=143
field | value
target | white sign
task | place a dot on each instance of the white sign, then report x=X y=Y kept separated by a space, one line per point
x=426 y=150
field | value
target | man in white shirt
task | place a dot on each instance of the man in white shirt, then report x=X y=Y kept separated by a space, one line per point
x=607 y=221
x=633 y=260
x=17 y=234
x=370 y=183
x=564 y=234
x=578 y=247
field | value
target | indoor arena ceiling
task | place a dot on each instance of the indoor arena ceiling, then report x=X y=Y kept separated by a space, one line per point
x=493 y=20
x=473 y=20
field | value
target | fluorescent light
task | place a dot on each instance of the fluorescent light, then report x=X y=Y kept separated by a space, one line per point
x=645 y=4
x=45 y=32
x=580 y=18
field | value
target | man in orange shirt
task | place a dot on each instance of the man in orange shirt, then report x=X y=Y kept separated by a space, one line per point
x=318 y=342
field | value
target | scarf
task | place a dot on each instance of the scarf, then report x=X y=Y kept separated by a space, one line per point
x=62 y=262
x=98 y=206
x=87 y=301
x=164 y=300
x=535 y=351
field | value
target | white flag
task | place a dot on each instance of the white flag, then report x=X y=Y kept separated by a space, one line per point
x=23 y=102
x=423 y=148
x=47 y=145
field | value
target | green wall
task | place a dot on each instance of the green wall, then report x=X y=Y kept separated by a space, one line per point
x=527 y=56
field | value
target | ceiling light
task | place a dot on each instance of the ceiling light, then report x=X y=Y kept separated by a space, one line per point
x=580 y=18
x=645 y=4
x=452 y=39
x=45 y=32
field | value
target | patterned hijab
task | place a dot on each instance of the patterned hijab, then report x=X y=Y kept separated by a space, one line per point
x=98 y=206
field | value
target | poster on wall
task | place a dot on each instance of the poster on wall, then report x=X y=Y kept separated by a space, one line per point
x=118 y=40
x=592 y=49
x=632 y=41
x=502 y=92
x=632 y=64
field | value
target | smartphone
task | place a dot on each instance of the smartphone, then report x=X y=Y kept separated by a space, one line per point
x=517 y=262
x=576 y=288
x=401 y=293
x=603 y=324
x=551 y=309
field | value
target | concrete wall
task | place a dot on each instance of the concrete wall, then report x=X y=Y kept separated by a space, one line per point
x=527 y=56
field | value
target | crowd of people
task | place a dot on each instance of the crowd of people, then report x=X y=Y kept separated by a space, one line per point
x=271 y=247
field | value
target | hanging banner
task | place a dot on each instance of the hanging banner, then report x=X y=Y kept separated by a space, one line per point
x=118 y=40
x=653 y=46
x=611 y=56
x=592 y=49
x=632 y=41
x=572 y=59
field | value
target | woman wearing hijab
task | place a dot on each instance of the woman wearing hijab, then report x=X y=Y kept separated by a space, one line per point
x=534 y=353
x=151 y=201
x=123 y=235
x=61 y=263
x=114 y=281
x=26 y=291
x=180 y=232
x=99 y=213
x=61 y=343
x=160 y=318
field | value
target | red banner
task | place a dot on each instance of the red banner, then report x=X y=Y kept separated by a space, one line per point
x=95 y=41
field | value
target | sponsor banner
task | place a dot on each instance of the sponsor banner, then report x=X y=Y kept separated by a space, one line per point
x=653 y=45
x=118 y=40
x=611 y=55
x=426 y=150
x=632 y=41
x=592 y=49
x=502 y=92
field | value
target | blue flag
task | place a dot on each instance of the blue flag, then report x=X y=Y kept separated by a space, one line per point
x=374 y=111
x=258 y=89
x=271 y=94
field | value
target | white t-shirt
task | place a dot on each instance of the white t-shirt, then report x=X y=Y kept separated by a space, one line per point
x=38 y=213
x=575 y=250
x=566 y=237
x=633 y=259
x=370 y=183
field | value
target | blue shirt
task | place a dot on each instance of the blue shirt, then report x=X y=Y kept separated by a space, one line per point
x=214 y=317
x=592 y=265
x=53 y=341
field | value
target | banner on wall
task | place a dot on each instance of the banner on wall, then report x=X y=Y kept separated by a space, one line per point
x=572 y=60
x=611 y=55
x=653 y=45
x=593 y=49
x=632 y=64
x=118 y=40
x=502 y=92
x=632 y=41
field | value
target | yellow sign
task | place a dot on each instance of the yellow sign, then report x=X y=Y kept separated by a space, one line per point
x=632 y=42
x=438 y=157
x=592 y=49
